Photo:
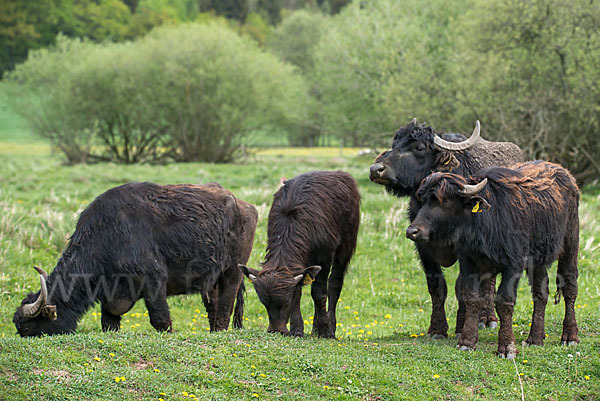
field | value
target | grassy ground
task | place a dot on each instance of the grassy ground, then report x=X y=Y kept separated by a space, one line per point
x=384 y=312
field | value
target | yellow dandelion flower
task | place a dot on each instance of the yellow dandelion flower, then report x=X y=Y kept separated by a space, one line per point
x=255 y=395
x=157 y=370
x=347 y=307
x=369 y=332
x=388 y=316
x=86 y=364
x=101 y=342
x=117 y=379
x=111 y=354
x=96 y=359
x=436 y=376
x=162 y=394
x=525 y=361
x=355 y=312
x=253 y=367
x=326 y=387
x=185 y=394
x=192 y=396
x=586 y=377
x=234 y=355
x=122 y=378
x=521 y=374
x=161 y=399
x=283 y=379
x=262 y=375
x=413 y=335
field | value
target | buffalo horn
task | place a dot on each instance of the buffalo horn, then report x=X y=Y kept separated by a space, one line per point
x=457 y=146
x=41 y=271
x=474 y=189
x=34 y=309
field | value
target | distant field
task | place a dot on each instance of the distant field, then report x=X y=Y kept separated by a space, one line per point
x=381 y=354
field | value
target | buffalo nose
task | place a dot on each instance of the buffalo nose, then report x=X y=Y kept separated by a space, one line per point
x=377 y=170
x=411 y=232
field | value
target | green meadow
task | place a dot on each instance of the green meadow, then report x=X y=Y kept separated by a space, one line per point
x=382 y=352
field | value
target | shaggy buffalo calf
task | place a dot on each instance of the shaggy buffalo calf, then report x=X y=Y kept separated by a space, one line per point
x=313 y=224
x=143 y=240
x=514 y=219
x=417 y=151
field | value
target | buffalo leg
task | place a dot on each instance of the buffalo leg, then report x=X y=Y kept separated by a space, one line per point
x=471 y=295
x=155 y=297
x=436 y=284
x=461 y=312
x=109 y=321
x=228 y=289
x=318 y=292
x=568 y=273
x=487 y=314
x=210 y=300
x=505 y=304
x=336 y=282
x=296 y=320
x=539 y=292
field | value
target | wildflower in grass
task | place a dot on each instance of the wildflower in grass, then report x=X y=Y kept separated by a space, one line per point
x=525 y=361
x=253 y=367
x=163 y=394
x=96 y=359
x=388 y=316
x=436 y=376
x=192 y=396
x=355 y=312
x=161 y=399
x=521 y=374
x=262 y=375
x=86 y=364
x=117 y=379
x=347 y=307
x=101 y=342
x=586 y=377
x=369 y=332
x=234 y=355
x=157 y=370
x=413 y=335
x=283 y=379
x=421 y=334
x=255 y=395
x=326 y=387
x=420 y=310
x=185 y=394
x=122 y=378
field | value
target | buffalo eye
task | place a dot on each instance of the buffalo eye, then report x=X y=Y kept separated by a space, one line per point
x=420 y=148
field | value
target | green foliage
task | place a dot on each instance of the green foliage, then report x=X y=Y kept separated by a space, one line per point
x=536 y=71
x=191 y=92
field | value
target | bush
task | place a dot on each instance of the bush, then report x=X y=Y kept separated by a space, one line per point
x=186 y=93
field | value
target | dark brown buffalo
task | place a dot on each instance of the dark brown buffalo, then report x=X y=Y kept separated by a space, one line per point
x=506 y=221
x=313 y=224
x=417 y=151
x=143 y=240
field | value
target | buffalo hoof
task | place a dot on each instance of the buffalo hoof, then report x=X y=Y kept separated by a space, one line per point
x=437 y=336
x=296 y=334
x=569 y=343
x=509 y=352
x=481 y=325
x=464 y=348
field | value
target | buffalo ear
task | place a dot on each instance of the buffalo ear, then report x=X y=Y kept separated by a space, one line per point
x=308 y=276
x=248 y=272
x=312 y=271
x=445 y=162
x=476 y=204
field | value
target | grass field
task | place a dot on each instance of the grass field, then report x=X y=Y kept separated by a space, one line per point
x=382 y=352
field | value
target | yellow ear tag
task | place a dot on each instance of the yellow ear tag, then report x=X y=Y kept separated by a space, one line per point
x=448 y=161
x=476 y=208
x=308 y=280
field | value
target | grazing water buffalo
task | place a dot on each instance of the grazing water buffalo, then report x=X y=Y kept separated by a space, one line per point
x=514 y=219
x=313 y=224
x=416 y=152
x=143 y=240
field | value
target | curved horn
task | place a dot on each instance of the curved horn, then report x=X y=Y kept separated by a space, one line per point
x=457 y=146
x=474 y=189
x=34 y=309
x=414 y=121
x=41 y=271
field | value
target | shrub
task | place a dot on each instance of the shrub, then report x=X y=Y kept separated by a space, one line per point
x=190 y=92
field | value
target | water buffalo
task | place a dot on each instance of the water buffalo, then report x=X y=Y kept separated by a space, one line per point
x=313 y=224
x=504 y=222
x=416 y=152
x=143 y=240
